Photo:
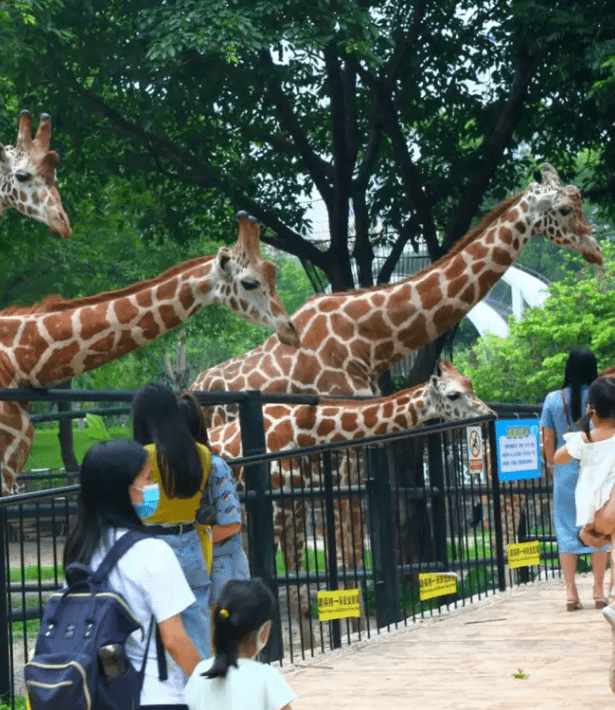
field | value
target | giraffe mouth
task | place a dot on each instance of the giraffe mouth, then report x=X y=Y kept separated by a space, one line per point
x=60 y=227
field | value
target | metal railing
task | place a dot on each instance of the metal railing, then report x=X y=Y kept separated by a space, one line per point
x=370 y=514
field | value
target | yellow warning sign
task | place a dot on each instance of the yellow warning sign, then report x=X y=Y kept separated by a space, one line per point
x=338 y=604
x=436 y=585
x=523 y=554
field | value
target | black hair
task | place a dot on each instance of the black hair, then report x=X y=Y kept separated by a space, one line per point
x=156 y=420
x=244 y=606
x=107 y=472
x=581 y=369
x=601 y=400
x=191 y=411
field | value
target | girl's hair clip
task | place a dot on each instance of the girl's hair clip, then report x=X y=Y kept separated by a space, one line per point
x=224 y=613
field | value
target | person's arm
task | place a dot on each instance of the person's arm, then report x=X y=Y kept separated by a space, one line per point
x=562 y=456
x=548 y=443
x=219 y=533
x=179 y=645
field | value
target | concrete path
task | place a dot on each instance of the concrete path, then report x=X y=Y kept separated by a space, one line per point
x=465 y=660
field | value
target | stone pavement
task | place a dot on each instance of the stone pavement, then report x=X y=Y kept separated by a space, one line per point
x=465 y=660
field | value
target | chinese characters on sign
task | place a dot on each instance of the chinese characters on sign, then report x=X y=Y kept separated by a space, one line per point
x=523 y=554
x=518 y=449
x=338 y=604
x=436 y=585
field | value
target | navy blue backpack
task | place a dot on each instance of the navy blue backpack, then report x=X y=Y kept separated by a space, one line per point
x=79 y=660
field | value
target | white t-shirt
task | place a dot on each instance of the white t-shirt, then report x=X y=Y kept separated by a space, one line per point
x=596 y=474
x=250 y=686
x=151 y=581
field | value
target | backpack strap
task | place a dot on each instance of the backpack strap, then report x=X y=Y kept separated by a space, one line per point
x=568 y=419
x=118 y=550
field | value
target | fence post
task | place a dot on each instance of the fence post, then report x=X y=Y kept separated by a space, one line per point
x=261 y=536
x=5 y=657
x=384 y=549
x=332 y=577
x=438 y=500
x=497 y=508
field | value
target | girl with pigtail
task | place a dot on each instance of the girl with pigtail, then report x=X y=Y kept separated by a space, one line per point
x=232 y=679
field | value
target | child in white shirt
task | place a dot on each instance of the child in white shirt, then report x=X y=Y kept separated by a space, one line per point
x=232 y=680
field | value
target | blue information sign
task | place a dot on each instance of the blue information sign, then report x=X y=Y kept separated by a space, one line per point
x=518 y=449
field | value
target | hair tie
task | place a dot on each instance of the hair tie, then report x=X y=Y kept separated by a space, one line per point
x=224 y=613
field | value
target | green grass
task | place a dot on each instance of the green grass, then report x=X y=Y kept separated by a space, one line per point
x=20 y=704
x=315 y=560
x=31 y=573
x=45 y=452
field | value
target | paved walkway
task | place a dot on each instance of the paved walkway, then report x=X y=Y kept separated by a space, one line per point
x=466 y=660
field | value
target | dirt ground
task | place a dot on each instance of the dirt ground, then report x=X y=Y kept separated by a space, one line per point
x=466 y=660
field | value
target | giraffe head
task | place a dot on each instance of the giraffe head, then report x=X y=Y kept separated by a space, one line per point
x=451 y=395
x=28 y=176
x=555 y=211
x=246 y=283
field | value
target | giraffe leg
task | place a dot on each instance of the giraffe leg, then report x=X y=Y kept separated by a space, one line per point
x=290 y=531
x=349 y=530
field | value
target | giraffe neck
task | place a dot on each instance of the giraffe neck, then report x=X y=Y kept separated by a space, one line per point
x=387 y=323
x=59 y=339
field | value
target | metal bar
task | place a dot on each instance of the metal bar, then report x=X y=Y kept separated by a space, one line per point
x=386 y=582
x=332 y=572
x=497 y=510
x=5 y=660
x=260 y=510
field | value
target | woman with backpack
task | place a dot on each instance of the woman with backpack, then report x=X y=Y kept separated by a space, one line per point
x=116 y=494
x=181 y=467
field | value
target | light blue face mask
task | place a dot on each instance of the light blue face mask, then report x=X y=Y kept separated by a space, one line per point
x=151 y=498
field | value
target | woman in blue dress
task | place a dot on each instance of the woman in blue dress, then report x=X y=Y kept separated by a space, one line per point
x=561 y=410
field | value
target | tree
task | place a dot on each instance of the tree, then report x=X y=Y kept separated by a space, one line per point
x=410 y=115
x=407 y=113
x=530 y=362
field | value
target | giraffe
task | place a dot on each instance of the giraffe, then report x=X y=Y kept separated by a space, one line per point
x=28 y=176
x=291 y=427
x=349 y=338
x=48 y=343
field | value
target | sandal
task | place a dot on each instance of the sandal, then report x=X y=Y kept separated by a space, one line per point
x=600 y=602
x=574 y=605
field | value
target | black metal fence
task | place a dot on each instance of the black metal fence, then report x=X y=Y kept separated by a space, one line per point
x=371 y=514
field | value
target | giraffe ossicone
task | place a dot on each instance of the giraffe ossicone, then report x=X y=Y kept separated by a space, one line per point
x=28 y=176
x=349 y=338
x=48 y=343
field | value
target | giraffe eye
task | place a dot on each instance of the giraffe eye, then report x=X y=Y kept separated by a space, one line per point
x=23 y=177
x=565 y=210
x=250 y=284
x=453 y=396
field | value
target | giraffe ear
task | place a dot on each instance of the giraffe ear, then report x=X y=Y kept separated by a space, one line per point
x=434 y=383
x=224 y=258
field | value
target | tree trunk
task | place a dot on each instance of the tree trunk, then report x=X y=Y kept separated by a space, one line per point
x=65 y=435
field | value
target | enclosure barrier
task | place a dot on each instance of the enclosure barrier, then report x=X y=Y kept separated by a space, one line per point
x=371 y=514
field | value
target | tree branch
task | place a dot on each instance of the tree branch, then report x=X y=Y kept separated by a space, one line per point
x=318 y=170
x=494 y=145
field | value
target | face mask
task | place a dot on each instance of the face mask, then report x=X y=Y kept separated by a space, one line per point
x=260 y=645
x=151 y=498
